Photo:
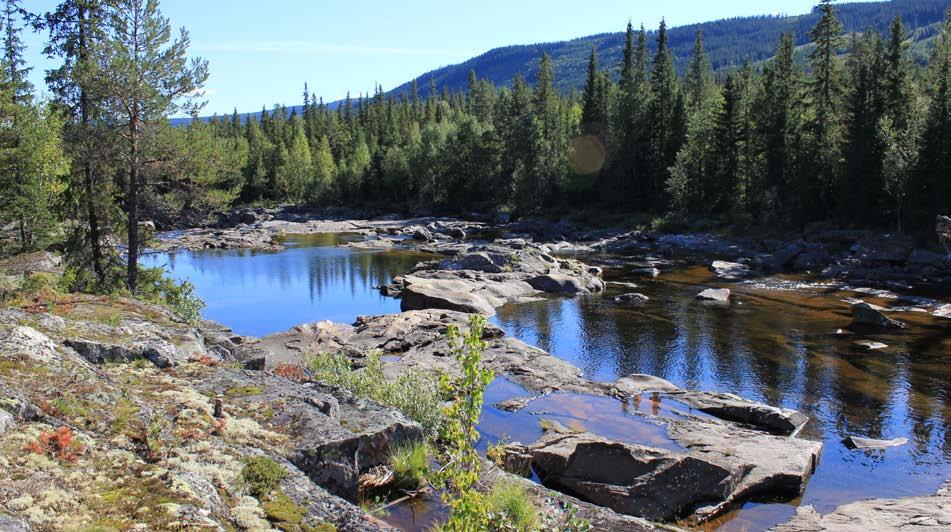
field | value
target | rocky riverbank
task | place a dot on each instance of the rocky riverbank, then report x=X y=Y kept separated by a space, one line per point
x=892 y=261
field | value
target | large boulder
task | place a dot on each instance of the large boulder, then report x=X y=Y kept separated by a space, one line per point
x=630 y=479
x=449 y=294
x=558 y=284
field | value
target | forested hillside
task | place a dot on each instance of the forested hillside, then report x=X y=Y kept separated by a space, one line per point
x=859 y=139
x=729 y=42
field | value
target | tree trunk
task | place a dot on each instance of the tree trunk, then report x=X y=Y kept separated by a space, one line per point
x=133 y=204
x=95 y=243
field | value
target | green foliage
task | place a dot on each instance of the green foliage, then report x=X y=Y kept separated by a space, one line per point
x=261 y=475
x=156 y=287
x=459 y=475
x=511 y=508
x=410 y=463
x=416 y=395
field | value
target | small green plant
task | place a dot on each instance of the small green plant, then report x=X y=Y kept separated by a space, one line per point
x=460 y=474
x=416 y=395
x=511 y=508
x=261 y=475
x=573 y=523
x=243 y=391
x=496 y=453
x=410 y=463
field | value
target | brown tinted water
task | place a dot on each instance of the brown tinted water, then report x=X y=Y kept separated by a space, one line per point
x=776 y=343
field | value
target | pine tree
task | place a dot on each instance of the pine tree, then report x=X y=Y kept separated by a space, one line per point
x=144 y=77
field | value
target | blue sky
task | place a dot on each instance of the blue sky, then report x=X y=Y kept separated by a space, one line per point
x=263 y=52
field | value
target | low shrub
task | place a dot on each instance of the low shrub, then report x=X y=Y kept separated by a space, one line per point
x=59 y=444
x=416 y=395
x=261 y=475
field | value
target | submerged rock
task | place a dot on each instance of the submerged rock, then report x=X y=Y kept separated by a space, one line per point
x=631 y=298
x=720 y=295
x=856 y=442
x=869 y=345
x=865 y=315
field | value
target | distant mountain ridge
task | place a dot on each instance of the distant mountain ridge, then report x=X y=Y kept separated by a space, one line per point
x=729 y=42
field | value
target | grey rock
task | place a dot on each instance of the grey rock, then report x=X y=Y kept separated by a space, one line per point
x=910 y=514
x=630 y=479
x=943 y=229
x=335 y=437
x=558 y=284
x=514 y=404
x=12 y=524
x=6 y=421
x=720 y=295
x=447 y=294
x=731 y=271
x=30 y=263
x=865 y=315
x=422 y=234
x=22 y=341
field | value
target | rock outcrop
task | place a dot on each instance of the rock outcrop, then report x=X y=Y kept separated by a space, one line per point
x=917 y=514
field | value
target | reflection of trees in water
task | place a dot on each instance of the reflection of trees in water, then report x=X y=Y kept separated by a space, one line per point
x=322 y=268
x=778 y=353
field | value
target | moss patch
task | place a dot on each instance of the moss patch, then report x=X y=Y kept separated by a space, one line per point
x=243 y=391
x=282 y=511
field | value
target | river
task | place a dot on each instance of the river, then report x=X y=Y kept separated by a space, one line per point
x=777 y=343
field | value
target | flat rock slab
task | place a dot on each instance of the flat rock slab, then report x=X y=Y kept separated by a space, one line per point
x=856 y=442
x=910 y=514
x=869 y=345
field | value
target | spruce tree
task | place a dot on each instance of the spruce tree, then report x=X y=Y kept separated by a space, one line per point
x=666 y=119
x=818 y=183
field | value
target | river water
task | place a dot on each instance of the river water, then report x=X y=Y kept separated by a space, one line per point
x=776 y=343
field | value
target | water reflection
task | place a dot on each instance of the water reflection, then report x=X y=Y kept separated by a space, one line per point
x=259 y=293
x=779 y=347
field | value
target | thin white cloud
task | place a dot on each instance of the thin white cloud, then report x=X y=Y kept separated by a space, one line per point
x=309 y=48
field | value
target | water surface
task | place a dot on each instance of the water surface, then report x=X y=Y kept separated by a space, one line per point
x=773 y=344
x=259 y=293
